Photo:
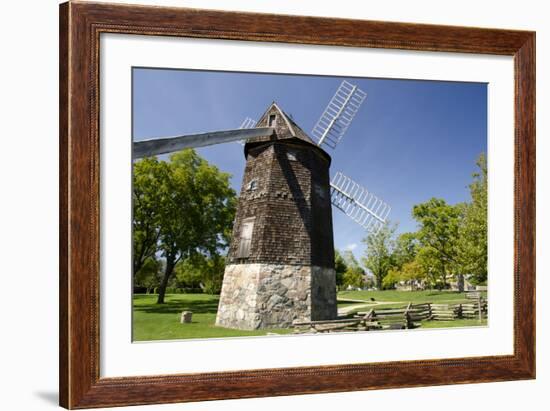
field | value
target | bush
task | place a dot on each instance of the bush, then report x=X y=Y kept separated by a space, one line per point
x=212 y=286
x=183 y=290
x=353 y=277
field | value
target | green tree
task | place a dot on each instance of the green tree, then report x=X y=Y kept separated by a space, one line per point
x=354 y=273
x=340 y=268
x=472 y=245
x=350 y=259
x=149 y=176
x=369 y=281
x=189 y=271
x=413 y=271
x=213 y=278
x=392 y=278
x=438 y=237
x=378 y=255
x=199 y=270
x=148 y=275
x=431 y=265
x=409 y=271
x=194 y=207
x=406 y=248
x=354 y=277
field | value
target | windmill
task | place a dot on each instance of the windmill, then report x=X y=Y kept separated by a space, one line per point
x=281 y=258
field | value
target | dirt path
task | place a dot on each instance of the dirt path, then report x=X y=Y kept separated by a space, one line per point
x=349 y=300
x=350 y=308
x=364 y=304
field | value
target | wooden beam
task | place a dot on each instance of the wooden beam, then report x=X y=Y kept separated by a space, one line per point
x=165 y=145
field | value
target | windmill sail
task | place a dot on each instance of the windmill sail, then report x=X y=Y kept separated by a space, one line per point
x=358 y=203
x=338 y=115
x=246 y=124
x=157 y=146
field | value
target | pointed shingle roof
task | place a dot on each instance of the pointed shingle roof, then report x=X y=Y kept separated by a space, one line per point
x=285 y=129
x=284 y=125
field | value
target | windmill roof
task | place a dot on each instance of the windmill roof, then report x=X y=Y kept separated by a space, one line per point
x=285 y=129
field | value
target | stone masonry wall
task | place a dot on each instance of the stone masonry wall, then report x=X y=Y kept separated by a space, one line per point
x=258 y=296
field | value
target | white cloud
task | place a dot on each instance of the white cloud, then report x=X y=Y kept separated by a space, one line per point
x=351 y=246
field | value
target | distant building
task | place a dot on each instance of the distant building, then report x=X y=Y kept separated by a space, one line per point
x=410 y=285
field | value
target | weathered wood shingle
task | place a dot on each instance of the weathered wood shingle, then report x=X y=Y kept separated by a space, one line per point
x=286 y=189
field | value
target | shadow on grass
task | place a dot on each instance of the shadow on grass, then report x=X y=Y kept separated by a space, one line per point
x=173 y=307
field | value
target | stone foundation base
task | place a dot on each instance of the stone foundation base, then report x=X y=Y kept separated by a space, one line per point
x=273 y=295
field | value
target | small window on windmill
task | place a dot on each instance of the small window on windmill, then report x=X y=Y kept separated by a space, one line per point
x=291 y=155
x=246 y=238
x=252 y=185
x=272 y=120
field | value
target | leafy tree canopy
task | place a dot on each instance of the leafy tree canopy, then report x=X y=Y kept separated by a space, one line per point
x=190 y=205
x=378 y=255
x=149 y=275
x=406 y=248
x=472 y=244
x=201 y=271
x=354 y=277
x=340 y=267
x=149 y=177
x=451 y=240
x=438 y=237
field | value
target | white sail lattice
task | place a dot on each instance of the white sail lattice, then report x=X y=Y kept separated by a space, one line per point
x=358 y=203
x=246 y=124
x=338 y=115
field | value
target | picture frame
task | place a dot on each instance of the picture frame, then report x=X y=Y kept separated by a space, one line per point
x=81 y=25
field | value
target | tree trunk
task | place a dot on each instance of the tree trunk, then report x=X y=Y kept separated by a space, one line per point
x=444 y=276
x=138 y=261
x=379 y=276
x=170 y=263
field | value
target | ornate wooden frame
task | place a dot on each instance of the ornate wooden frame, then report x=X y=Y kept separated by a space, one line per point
x=80 y=28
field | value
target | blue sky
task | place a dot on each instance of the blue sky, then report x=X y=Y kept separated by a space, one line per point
x=410 y=141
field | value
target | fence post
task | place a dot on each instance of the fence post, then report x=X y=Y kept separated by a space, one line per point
x=367 y=318
x=407 y=315
x=479 y=308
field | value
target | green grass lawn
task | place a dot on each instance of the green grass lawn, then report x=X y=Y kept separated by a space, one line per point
x=416 y=297
x=162 y=322
x=454 y=323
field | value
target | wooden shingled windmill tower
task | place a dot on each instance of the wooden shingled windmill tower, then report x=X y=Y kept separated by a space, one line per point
x=280 y=264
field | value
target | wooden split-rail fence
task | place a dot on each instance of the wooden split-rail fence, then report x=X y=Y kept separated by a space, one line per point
x=476 y=308
x=394 y=318
x=406 y=317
